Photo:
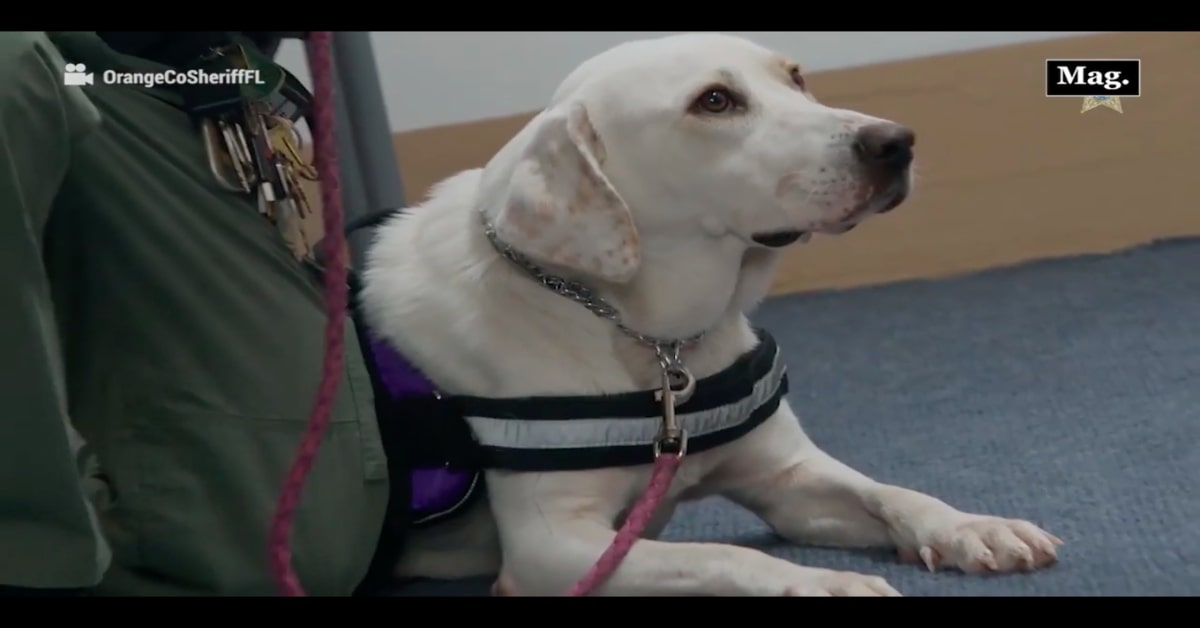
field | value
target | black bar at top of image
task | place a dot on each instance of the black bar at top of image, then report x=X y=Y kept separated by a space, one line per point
x=1094 y=77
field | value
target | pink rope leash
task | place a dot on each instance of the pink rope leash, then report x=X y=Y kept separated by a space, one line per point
x=320 y=63
x=635 y=524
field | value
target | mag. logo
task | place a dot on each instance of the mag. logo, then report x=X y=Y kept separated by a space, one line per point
x=1099 y=82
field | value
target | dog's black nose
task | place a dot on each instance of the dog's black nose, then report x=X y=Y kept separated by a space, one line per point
x=885 y=145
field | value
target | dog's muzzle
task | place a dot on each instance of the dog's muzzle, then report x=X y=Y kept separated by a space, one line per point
x=884 y=152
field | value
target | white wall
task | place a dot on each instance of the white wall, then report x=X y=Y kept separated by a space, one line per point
x=434 y=78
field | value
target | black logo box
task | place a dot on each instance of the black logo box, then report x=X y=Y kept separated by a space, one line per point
x=1078 y=77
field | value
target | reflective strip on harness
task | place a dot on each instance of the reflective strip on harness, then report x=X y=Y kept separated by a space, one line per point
x=614 y=432
x=573 y=433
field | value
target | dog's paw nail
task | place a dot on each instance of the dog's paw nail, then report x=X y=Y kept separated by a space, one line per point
x=929 y=558
x=988 y=560
x=1028 y=562
x=1055 y=539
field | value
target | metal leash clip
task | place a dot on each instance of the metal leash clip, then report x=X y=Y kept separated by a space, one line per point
x=678 y=385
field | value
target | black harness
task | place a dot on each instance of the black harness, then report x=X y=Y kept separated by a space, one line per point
x=572 y=433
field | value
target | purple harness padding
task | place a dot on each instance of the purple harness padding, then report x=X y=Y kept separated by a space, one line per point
x=434 y=490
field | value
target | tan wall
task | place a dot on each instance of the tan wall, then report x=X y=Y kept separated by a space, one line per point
x=1005 y=174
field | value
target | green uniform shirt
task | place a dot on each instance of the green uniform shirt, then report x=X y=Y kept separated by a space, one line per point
x=166 y=321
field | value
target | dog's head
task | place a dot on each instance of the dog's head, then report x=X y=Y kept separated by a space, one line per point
x=692 y=136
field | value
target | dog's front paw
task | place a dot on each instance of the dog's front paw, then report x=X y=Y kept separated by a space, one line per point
x=827 y=583
x=981 y=544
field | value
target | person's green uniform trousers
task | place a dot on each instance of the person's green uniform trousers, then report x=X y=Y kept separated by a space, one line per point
x=166 y=320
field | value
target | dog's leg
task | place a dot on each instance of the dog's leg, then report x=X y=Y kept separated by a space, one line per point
x=551 y=536
x=656 y=568
x=809 y=497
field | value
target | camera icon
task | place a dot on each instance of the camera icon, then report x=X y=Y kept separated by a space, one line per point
x=76 y=74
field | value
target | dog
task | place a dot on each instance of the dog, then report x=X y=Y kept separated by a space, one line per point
x=667 y=175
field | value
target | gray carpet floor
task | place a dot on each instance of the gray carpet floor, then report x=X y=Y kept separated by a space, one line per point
x=1066 y=392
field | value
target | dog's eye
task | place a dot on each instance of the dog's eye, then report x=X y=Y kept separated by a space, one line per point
x=716 y=100
x=797 y=78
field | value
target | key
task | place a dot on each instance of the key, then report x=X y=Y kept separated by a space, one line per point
x=291 y=226
x=289 y=144
x=228 y=154
x=218 y=150
x=286 y=219
x=280 y=185
x=291 y=214
x=235 y=146
x=297 y=192
x=262 y=156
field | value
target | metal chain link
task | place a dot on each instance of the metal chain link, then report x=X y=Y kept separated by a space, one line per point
x=666 y=350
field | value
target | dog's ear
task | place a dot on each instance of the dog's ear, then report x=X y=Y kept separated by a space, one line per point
x=560 y=209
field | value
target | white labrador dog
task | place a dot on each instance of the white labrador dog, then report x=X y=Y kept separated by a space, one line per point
x=667 y=175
